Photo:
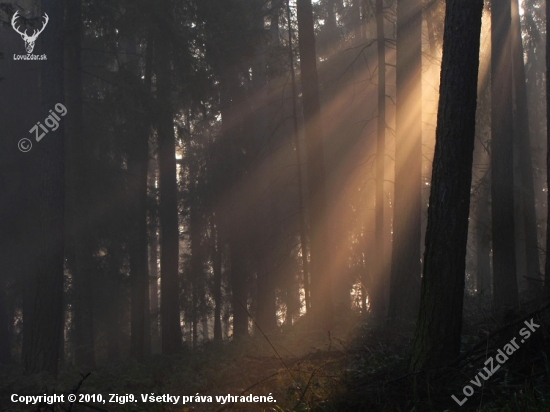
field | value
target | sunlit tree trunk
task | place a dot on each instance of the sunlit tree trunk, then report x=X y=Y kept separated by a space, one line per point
x=168 y=208
x=502 y=182
x=437 y=336
x=405 y=264
x=321 y=285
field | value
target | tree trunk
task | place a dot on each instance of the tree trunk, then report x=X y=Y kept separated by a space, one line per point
x=238 y=278
x=217 y=270
x=168 y=208
x=547 y=262
x=138 y=160
x=522 y=137
x=378 y=292
x=43 y=317
x=405 y=265
x=483 y=240
x=153 y=261
x=321 y=284
x=78 y=201
x=437 y=337
x=502 y=179
x=5 y=354
x=297 y=150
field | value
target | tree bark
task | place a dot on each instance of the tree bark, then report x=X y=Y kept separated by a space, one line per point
x=297 y=150
x=43 y=316
x=321 y=284
x=547 y=262
x=483 y=240
x=502 y=180
x=217 y=269
x=406 y=255
x=437 y=336
x=78 y=199
x=168 y=208
x=522 y=136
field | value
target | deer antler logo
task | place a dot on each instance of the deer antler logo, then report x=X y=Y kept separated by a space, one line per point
x=29 y=40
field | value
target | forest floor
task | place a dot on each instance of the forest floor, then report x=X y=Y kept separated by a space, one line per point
x=357 y=367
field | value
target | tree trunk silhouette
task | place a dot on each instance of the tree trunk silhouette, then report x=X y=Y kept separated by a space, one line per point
x=505 y=287
x=547 y=262
x=437 y=336
x=79 y=231
x=378 y=292
x=522 y=136
x=43 y=311
x=168 y=207
x=321 y=285
x=405 y=264
x=297 y=150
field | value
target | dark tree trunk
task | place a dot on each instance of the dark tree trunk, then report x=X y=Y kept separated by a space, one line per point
x=522 y=136
x=4 y=327
x=437 y=337
x=197 y=259
x=238 y=278
x=153 y=260
x=405 y=264
x=483 y=240
x=502 y=179
x=168 y=208
x=217 y=269
x=139 y=285
x=113 y=291
x=43 y=318
x=356 y=19
x=321 y=284
x=138 y=161
x=264 y=247
x=547 y=262
x=78 y=201
x=378 y=292
x=297 y=150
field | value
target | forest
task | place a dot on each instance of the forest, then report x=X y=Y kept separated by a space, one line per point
x=274 y=205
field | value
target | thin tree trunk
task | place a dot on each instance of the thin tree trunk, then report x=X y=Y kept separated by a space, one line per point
x=547 y=262
x=78 y=203
x=437 y=337
x=321 y=284
x=523 y=140
x=168 y=208
x=297 y=150
x=483 y=240
x=378 y=294
x=5 y=347
x=217 y=269
x=405 y=264
x=153 y=260
x=138 y=159
x=502 y=180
